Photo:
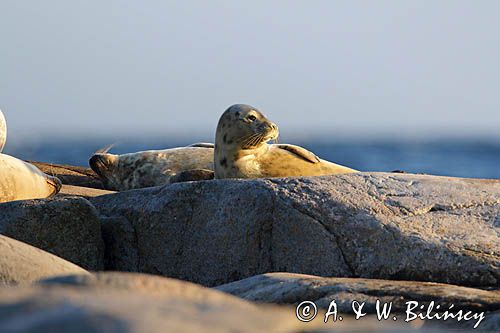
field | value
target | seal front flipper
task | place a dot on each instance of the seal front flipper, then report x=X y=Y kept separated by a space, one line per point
x=202 y=145
x=192 y=175
x=299 y=151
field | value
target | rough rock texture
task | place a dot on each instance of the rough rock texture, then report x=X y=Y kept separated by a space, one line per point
x=287 y=288
x=386 y=226
x=67 y=227
x=22 y=263
x=124 y=302
x=66 y=309
x=71 y=175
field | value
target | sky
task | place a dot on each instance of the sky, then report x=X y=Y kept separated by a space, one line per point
x=316 y=68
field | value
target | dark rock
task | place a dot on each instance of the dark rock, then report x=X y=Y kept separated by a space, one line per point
x=120 y=245
x=67 y=227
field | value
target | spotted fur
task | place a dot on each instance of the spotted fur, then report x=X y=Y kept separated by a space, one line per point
x=151 y=168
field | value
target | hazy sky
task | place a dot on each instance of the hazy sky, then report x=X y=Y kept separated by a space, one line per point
x=314 y=67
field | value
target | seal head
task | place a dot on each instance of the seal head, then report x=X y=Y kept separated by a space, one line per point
x=244 y=127
x=105 y=165
x=20 y=180
x=55 y=184
x=242 y=131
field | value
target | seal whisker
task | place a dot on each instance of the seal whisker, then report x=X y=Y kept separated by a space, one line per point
x=248 y=140
x=244 y=139
x=256 y=140
x=106 y=149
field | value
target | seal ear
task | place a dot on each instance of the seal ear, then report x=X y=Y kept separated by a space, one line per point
x=299 y=151
x=202 y=145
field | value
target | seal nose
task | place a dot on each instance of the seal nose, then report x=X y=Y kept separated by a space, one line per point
x=270 y=126
x=54 y=181
x=99 y=163
x=95 y=162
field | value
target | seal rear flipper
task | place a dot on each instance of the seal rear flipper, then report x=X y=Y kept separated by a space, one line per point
x=202 y=145
x=192 y=175
x=299 y=151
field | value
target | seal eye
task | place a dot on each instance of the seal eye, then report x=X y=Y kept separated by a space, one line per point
x=252 y=117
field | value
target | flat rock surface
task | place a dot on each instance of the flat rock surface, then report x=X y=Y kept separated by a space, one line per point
x=67 y=227
x=371 y=225
x=21 y=263
x=86 y=192
x=71 y=175
x=288 y=288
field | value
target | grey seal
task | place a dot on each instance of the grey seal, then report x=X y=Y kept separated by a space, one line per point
x=154 y=167
x=242 y=149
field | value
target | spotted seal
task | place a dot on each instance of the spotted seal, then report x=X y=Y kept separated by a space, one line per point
x=3 y=131
x=154 y=167
x=20 y=180
x=242 y=151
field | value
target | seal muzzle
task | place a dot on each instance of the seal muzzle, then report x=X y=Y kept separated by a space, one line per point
x=56 y=183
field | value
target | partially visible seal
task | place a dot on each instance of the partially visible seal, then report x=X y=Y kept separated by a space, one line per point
x=242 y=151
x=154 y=167
x=20 y=180
x=3 y=131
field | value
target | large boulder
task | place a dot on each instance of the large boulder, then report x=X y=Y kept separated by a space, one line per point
x=127 y=303
x=67 y=227
x=292 y=289
x=371 y=225
x=405 y=299
x=22 y=263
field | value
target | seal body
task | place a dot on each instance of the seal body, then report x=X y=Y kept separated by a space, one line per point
x=22 y=181
x=3 y=131
x=154 y=167
x=242 y=151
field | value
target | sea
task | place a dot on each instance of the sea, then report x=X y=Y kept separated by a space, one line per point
x=474 y=158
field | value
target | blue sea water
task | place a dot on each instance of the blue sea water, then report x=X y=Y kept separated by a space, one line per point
x=461 y=158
